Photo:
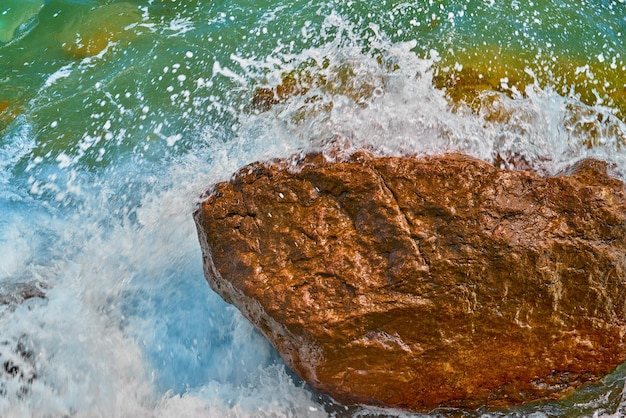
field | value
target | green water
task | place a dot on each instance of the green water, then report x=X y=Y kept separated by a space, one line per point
x=130 y=85
x=116 y=115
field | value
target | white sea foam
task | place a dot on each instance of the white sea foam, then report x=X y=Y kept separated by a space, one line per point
x=63 y=72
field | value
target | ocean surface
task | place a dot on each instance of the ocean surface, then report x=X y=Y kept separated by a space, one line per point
x=115 y=116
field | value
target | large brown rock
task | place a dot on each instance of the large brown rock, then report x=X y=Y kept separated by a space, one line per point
x=418 y=283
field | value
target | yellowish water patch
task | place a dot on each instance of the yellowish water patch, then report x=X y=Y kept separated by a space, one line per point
x=8 y=112
x=105 y=25
x=595 y=81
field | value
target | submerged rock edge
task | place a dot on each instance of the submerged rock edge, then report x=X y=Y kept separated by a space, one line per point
x=377 y=293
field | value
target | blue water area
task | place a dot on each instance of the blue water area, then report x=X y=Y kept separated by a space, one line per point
x=188 y=332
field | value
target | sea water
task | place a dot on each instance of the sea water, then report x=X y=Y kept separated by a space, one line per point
x=115 y=117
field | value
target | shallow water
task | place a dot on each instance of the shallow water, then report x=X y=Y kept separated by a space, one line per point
x=115 y=116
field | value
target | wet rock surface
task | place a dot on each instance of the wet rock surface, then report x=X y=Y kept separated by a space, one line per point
x=18 y=371
x=13 y=294
x=100 y=29
x=425 y=282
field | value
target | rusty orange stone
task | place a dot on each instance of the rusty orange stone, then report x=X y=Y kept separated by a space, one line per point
x=418 y=283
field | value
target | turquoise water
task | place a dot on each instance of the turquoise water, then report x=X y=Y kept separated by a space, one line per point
x=115 y=116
